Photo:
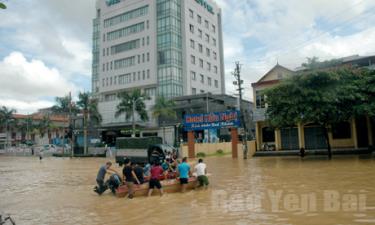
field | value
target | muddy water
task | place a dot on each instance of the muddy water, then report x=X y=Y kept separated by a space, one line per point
x=257 y=191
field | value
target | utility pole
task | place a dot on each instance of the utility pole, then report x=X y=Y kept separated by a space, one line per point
x=71 y=126
x=238 y=82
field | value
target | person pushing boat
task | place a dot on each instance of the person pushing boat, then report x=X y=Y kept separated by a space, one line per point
x=156 y=172
x=103 y=170
x=129 y=177
x=183 y=171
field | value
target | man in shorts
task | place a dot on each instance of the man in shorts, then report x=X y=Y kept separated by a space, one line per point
x=201 y=170
x=156 y=172
x=129 y=177
x=183 y=171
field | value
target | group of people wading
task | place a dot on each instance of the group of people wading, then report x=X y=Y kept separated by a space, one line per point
x=134 y=175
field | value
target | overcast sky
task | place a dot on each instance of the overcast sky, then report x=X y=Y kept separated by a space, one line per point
x=45 y=45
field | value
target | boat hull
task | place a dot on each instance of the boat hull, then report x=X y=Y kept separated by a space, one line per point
x=169 y=186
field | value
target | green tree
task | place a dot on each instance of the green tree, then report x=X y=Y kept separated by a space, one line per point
x=64 y=105
x=7 y=120
x=2 y=6
x=44 y=125
x=320 y=97
x=89 y=109
x=131 y=103
x=163 y=109
x=366 y=91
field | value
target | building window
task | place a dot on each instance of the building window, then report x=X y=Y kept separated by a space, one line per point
x=216 y=83
x=193 y=75
x=143 y=41
x=200 y=48
x=208 y=66
x=200 y=33
x=215 y=56
x=207 y=38
x=194 y=91
x=192 y=44
x=201 y=63
x=214 y=41
x=213 y=28
x=206 y=24
x=341 y=130
x=148 y=74
x=103 y=68
x=199 y=18
x=208 y=52
x=148 y=40
x=209 y=82
x=191 y=13
x=143 y=75
x=143 y=57
x=202 y=91
x=260 y=100
x=148 y=57
x=202 y=78
x=215 y=69
x=192 y=59
x=192 y=28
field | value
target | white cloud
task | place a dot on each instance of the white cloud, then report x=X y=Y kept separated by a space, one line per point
x=24 y=83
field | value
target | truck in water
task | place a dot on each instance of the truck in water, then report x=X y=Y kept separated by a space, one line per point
x=141 y=150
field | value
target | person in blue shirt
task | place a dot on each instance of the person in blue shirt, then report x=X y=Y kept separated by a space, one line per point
x=183 y=171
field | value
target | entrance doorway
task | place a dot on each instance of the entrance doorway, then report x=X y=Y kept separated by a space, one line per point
x=289 y=138
x=362 y=132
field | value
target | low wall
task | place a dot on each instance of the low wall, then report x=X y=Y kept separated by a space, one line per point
x=211 y=148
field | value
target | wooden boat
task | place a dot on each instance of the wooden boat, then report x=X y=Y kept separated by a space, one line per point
x=169 y=186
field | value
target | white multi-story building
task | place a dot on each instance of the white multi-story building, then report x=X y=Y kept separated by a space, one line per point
x=163 y=47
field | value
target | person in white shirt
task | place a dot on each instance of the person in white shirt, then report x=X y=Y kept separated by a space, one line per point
x=201 y=170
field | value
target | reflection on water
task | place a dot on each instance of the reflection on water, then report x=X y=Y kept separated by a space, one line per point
x=257 y=191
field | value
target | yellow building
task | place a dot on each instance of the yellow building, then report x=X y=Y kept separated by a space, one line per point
x=354 y=134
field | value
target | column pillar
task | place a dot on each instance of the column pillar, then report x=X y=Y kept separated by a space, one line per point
x=369 y=131
x=258 y=136
x=234 y=133
x=277 y=139
x=191 y=144
x=301 y=136
x=354 y=132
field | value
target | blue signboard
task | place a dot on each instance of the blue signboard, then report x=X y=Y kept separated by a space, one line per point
x=214 y=120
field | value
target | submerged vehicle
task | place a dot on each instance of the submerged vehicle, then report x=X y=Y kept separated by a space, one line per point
x=141 y=150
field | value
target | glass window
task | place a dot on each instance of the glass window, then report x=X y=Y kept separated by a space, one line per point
x=192 y=44
x=268 y=134
x=214 y=41
x=200 y=46
x=126 y=46
x=215 y=69
x=191 y=13
x=200 y=33
x=126 y=16
x=194 y=91
x=208 y=66
x=202 y=91
x=192 y=28
x=260 y=100
x=201 y=63
x=199 y=18
x=192 y=59
x=208 y=52
x=214 y=53
x=206 y=24
x=209 y=81
x=216 y=83
x=126 y=31
x=193 y=75
x=213 y=28
x=202 y=78
x=207 y=38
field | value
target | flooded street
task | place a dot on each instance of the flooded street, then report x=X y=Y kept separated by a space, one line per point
x=58 y=191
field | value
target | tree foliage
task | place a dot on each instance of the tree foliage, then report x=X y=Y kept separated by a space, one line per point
x=314 y=63
x=2 y=6
x=62 y=106
x=6 y=116
x=89 y=107
x=164 y=108
x=126 y=104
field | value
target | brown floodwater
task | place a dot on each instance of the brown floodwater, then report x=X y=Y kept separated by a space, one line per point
x=256 y=191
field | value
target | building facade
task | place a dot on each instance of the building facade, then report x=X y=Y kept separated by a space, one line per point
x=356 y=133
x=163 y=47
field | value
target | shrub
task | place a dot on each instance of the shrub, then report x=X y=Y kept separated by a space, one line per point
x=201 y=155
x=220 y=151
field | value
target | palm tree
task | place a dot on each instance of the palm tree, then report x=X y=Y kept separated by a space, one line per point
x=164 y=108
x=64 y=106
x=6 y=119
x=89 y=108
x=131 y=103
x=44 y=126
